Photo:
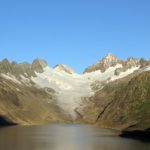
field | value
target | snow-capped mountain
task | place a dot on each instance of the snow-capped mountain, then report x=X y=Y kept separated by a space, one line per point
x=108 y=61
x=68 y=87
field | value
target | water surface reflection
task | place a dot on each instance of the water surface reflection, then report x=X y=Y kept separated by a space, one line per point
x=65 y=137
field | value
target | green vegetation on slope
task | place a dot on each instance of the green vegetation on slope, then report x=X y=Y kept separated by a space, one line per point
x=123 y=104
x=130 y=104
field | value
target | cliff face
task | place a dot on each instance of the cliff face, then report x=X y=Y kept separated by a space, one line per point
x=103 y=64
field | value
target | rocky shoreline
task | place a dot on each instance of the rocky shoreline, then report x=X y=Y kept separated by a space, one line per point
x=138 y=135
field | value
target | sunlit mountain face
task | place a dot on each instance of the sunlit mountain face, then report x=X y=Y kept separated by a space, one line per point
x=36 y=93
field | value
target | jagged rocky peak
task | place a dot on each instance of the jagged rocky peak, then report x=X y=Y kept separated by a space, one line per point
x=65 y=68
x=5 y=66
x=108 y=61
x=5 y=61
x=13 y=63
x=23 y=68
x=144 y=62
x=132 y=62
x=38 y=65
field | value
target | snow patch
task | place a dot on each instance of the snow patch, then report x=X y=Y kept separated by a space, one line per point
x=147 y=68
x=98 y=75
x=18 y=89
x=24 y=79
x=124 y=74
x=10 y=77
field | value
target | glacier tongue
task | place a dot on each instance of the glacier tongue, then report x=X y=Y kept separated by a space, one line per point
x=71 y=88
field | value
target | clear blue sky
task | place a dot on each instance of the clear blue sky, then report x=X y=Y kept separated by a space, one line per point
x=74 y=32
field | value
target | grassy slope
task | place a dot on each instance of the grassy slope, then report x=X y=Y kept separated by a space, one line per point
x=123 y=104
x=130 y=105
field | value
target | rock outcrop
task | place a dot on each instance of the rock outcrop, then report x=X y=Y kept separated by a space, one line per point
x=64 y=68
x=110 y=61
x=103 y=64
x=38 y=65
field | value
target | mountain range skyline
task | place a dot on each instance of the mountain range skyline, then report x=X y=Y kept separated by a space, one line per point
x=77 y=71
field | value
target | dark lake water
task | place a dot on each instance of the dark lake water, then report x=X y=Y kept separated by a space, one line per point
x=65 y=137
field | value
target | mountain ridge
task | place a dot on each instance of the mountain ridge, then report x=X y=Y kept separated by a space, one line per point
x=64 y=95
x=104 y=63
x=110 y=60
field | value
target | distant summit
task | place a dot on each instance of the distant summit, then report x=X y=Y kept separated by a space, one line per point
x=110 y=61
x=5 y=66
x=65 y=68
x=23 y=68
x=38 y=65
